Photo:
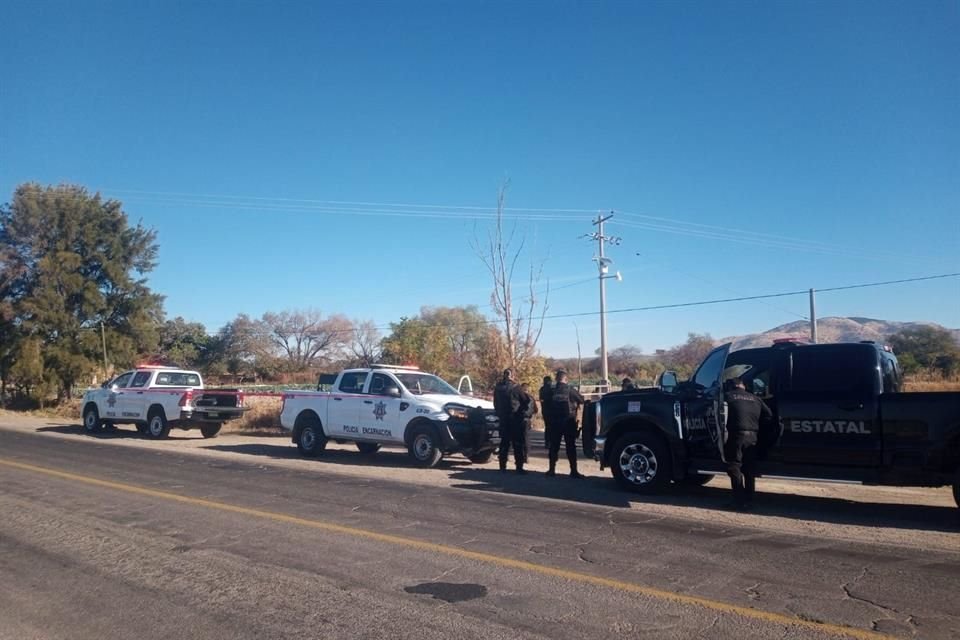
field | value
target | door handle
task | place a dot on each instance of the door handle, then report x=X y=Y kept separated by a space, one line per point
x=368 y=402
x=338 y=399
x=850 y=407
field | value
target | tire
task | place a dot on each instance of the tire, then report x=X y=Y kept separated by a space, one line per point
x=157 y=426
x=91 y=419
x=640 y=462
x=210 y=430
x=698 y=479
x=310 y=439
x=956 y=490
x=368 y=448
x=424 y=448
x=481 y=458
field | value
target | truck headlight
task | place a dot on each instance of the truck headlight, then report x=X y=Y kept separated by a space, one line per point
x=457 y=411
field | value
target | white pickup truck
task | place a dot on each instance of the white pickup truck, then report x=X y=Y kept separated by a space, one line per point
x=158 y=398
x=392 y=405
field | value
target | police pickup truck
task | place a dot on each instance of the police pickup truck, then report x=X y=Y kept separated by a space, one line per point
x=156 y=398
x=394 y=406
x=839 y=415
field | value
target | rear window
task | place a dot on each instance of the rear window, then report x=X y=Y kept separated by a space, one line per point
x=833 y=370
x=177 y=379
x=352 y=381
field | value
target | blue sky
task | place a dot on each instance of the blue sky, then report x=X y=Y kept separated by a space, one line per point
x=815 y=143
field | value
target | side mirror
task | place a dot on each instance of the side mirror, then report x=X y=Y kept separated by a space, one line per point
x=114 y=388
x=393 y=392
x=668 y=381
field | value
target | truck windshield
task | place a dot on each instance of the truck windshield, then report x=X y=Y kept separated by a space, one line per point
x=420 y=383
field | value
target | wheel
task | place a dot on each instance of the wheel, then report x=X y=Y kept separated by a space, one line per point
x=91 y=419
x=423 y=447
x=956 y=489
x=210 y=430
x=640 y=462
x=310 y=438
x=157 y=426
x=698 y=479
x=481 y=458
x=368 y=447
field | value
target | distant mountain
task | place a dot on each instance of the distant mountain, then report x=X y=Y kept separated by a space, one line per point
x=831 y=330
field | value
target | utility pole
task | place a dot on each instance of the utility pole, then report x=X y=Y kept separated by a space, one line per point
x=813 y=318
x=603 y=267
x=103 y=338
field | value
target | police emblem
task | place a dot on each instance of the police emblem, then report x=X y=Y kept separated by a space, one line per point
x=112 y=400
x=380 y=410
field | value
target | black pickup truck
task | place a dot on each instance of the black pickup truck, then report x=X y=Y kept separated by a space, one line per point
x=839 y=415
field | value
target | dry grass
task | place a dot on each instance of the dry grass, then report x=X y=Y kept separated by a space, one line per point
x=262 y=418
x=931 y=385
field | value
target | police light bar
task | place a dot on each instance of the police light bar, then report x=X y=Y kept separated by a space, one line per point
x=395 y=366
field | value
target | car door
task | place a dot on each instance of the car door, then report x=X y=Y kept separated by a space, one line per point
x=116 y=396
x=135 y=401
x=343 y=408
x=828 y=407
x=703 y=409
x=380 y=413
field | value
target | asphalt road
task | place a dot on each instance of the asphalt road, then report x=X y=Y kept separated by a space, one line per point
x=105 y=541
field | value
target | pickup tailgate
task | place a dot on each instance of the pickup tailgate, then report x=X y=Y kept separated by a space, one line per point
x=218 y=404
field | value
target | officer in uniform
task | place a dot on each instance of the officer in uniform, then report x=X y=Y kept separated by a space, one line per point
x=564 y=405
x=507 y=399
x=546 y=397
x=744 y=412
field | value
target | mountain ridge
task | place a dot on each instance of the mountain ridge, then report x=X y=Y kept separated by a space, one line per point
x=832 y=329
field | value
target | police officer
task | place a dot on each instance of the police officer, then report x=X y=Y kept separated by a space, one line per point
x=546 y=397
x=744 y=412
x=627 y=385
x=564 y=406
x=507 y=397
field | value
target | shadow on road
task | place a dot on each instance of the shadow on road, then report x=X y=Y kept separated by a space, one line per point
x=382 y=458
x=603 y=491
x=113 y=433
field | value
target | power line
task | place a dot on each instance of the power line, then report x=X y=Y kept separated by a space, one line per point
x=680 y=305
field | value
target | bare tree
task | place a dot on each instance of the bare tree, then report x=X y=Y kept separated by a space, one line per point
x=522 y=320
x=366 y=343
x=305 y=338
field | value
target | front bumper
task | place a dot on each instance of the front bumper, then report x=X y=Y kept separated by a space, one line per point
x=469 y=436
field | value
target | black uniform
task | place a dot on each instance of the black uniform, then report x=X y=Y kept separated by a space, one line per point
x=744 y=411
x=507 y=402
x=563 y=414
x=546 y=397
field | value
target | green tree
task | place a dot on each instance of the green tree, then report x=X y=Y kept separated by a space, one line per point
x=185 y=343
x=452 y=341
x=72 y=261
x=684 y=358
x=926 y=347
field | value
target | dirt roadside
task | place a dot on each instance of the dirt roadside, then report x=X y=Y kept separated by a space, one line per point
x=903 y=517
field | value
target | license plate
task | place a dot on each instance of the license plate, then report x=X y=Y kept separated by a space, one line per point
x=213 y=415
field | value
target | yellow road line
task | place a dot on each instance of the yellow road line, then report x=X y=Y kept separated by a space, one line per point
x=487 y=558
